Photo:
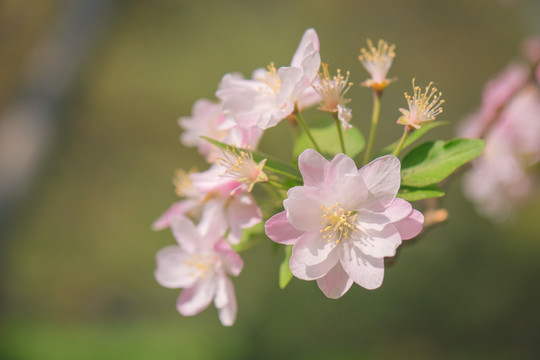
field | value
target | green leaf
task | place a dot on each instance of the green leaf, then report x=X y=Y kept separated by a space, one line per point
x=413 y=136
x=250 y=237
x=272 y=164
x=411 y=193
x=328 y=140
x=285 y=275
x=433 y=161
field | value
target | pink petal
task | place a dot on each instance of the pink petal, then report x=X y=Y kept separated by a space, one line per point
x=176 y=209
x=213 y=223
x=231 y=260
x=399 y=209
x=244 y=211
x=364 y=270
x=195 y=299
x=171 y=270
x=350 y=191
x=279 y=229
x=313 y=167
x=382 y=178
x=309 y=37
x=303 y=207
x=340 y=166
x=312 y=249
x=313 y=272
x=225 y=301
x=186 y=234
x=335 y=283
x=411 y=225
x=381 y=243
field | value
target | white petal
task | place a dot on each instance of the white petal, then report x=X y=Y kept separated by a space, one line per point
x=197 y=298
x=186 y=234
x=171 y=271
x=303 y=207
x=313 y=272
x=225 y=301
x=312 y=249
x=382 y=178
x=365 y=270
x=313 y=167
x=335 y=283
x=379 y=243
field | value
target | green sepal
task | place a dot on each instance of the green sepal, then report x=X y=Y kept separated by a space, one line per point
x=285 y=274
x=411 y=193
x=432 y=162
x=328 y=140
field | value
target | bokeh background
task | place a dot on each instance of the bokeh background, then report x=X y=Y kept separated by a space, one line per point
x=90 y=91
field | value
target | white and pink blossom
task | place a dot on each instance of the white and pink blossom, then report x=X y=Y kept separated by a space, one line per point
x=225 y=197
x=207 y=119
x=344 y=221
x=199 y=264
x=272 y=94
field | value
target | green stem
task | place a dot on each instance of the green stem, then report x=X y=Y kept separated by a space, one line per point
x=402 y=141
x=374 y=122
x=340 y=133
x=306 y=129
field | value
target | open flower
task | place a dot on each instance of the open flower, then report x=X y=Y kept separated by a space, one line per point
x=332 y=90
x=272 y=94
x=240 y=166
x=423 y=106
x=199 y=264
x=377 y=62
x=207 y=119
x=343 y=221
x=210 y=189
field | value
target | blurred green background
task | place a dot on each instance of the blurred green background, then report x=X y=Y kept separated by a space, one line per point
x=77 y=255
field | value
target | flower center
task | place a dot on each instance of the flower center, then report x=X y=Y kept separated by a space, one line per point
x=240 y=166
x=338 y=223
x=200 y=264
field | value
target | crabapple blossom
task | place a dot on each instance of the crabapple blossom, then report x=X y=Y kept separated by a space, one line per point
x=272 y=95
x=423 y=107
x=332 y=90
x=343 y=221
x=377 y=62
x=212 y=189
x=208 y=120
x=199 y=264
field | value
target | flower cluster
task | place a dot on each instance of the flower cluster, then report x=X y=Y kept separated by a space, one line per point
x=337 y=222
x=509 y=121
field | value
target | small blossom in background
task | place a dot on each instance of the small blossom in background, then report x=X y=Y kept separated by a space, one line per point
x=273 y=94
x=423 y=106
x=377 y=61
x=199 y=264
x=343 y=221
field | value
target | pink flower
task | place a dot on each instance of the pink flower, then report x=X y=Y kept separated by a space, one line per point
x=343 y=221
x=208 y=120
x=271 y=95
x=501 y=178
x=199 y=264
x=213 y=191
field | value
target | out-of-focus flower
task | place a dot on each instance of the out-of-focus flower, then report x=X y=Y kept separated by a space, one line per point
x=207 y=119
x=377 y=62
x=501 y=178
x=332 y=90
x=423 y=106
x=212 y=190
x=272 y=95
x=496 y=94
x=199 y=264
x=343 y=221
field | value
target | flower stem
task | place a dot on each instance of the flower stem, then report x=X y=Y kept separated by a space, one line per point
x=340 y=133
x=306 y=129
x=402 y=141
x=374 y=122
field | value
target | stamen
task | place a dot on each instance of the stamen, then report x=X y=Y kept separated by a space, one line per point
x=332 y=89
x=340 y=223
x=423 y=106
x=240 y=166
